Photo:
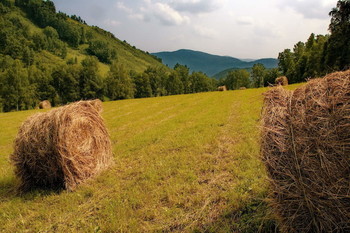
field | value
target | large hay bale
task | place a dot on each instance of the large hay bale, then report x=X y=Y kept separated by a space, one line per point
x=306 y=150
x=222 y=88
x=283 y=80
x=63 y=147
x=45 y=104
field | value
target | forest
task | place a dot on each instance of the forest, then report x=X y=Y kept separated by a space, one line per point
x=48 y=55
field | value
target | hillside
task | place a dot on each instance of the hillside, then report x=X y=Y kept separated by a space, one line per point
x=78 y=36
x=49 y=55
x=185 y=163
x=208 y=63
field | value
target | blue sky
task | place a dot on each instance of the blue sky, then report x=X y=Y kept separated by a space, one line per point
x=243 y=29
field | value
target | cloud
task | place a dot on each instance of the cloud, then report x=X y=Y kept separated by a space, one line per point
x=245 y=21
x=121 y=6
x=111 y=22
x=205 y=31
x=148 y=10
x=97 y=12
x=196 y=6
x=310 y=9
x=167 y=15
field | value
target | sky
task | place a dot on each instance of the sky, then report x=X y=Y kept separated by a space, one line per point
x=238 y=28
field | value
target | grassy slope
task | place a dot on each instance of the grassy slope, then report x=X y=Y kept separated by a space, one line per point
x=132 y=58
x=182 y=163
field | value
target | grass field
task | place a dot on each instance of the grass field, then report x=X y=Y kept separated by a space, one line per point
x=186 y=163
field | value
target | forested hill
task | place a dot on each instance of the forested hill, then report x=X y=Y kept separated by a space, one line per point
x=49 y=55
x=29 y=27
x=208 y=63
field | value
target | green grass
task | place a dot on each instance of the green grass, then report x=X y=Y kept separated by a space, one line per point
x=186 y=163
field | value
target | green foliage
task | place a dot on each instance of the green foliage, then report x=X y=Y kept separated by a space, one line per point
x=65 y=80
x=258 y=74
x=236 y=79
x=119 y=84
x=142 y=85
x=90 y=82
x=102 y=51
x=158 y=78
x=17 y=92
x=174 y=84
x=183 y=72
x=199 y=82
x=270 y=76
x=338 y=49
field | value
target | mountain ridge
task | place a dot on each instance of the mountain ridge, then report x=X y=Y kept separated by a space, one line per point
x=209 y=63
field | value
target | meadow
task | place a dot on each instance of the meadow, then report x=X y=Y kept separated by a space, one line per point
x=184 y=163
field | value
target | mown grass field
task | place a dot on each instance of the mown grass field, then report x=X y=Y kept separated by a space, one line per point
x=186 y=163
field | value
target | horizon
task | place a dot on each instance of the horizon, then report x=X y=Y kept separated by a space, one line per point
x=245 y=30
x=243 y=59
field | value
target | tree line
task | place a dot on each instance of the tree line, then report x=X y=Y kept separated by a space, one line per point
x=23 y=87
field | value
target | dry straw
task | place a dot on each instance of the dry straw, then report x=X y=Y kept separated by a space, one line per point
x=306 y=150
x=45 y=104
x=283 y=80
x=62 y=148
x=222 y=88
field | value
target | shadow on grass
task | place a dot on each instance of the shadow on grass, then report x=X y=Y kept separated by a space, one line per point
x=9 y=189
x=255 y=216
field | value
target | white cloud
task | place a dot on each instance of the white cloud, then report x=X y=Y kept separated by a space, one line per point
x=245 y=20
x=167 y=15
x=310 y=9
x=162 y=12
x=111 y=22
x=121 y=6
x=196 y=6
x=205 y=31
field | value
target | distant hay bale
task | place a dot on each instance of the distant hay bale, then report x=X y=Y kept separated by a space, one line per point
x=62 y=148
x=242 y=88
x=306 y=150
x=222 y=88
x=283 y=80
x=45 y=104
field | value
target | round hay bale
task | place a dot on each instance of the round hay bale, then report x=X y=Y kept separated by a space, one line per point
x=222 y=88
x=44 y=104
x=283 y=80
x=62 y=148
x=305 y=147
x=242 y=88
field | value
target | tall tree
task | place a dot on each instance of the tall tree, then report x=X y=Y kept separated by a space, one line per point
x=143 y=85
x=183 y=73
x=90 y=82
x=338 y=46
x=174 y=84
x=258 y=74
x=119 y=84
x=17 y=92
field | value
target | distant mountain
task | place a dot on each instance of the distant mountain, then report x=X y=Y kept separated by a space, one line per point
x=209 y=63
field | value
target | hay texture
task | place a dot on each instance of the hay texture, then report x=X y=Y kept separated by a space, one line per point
x=283 y=80
x=306 y=150
x=45 y=104
x=222 y=88
x=62 y=148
